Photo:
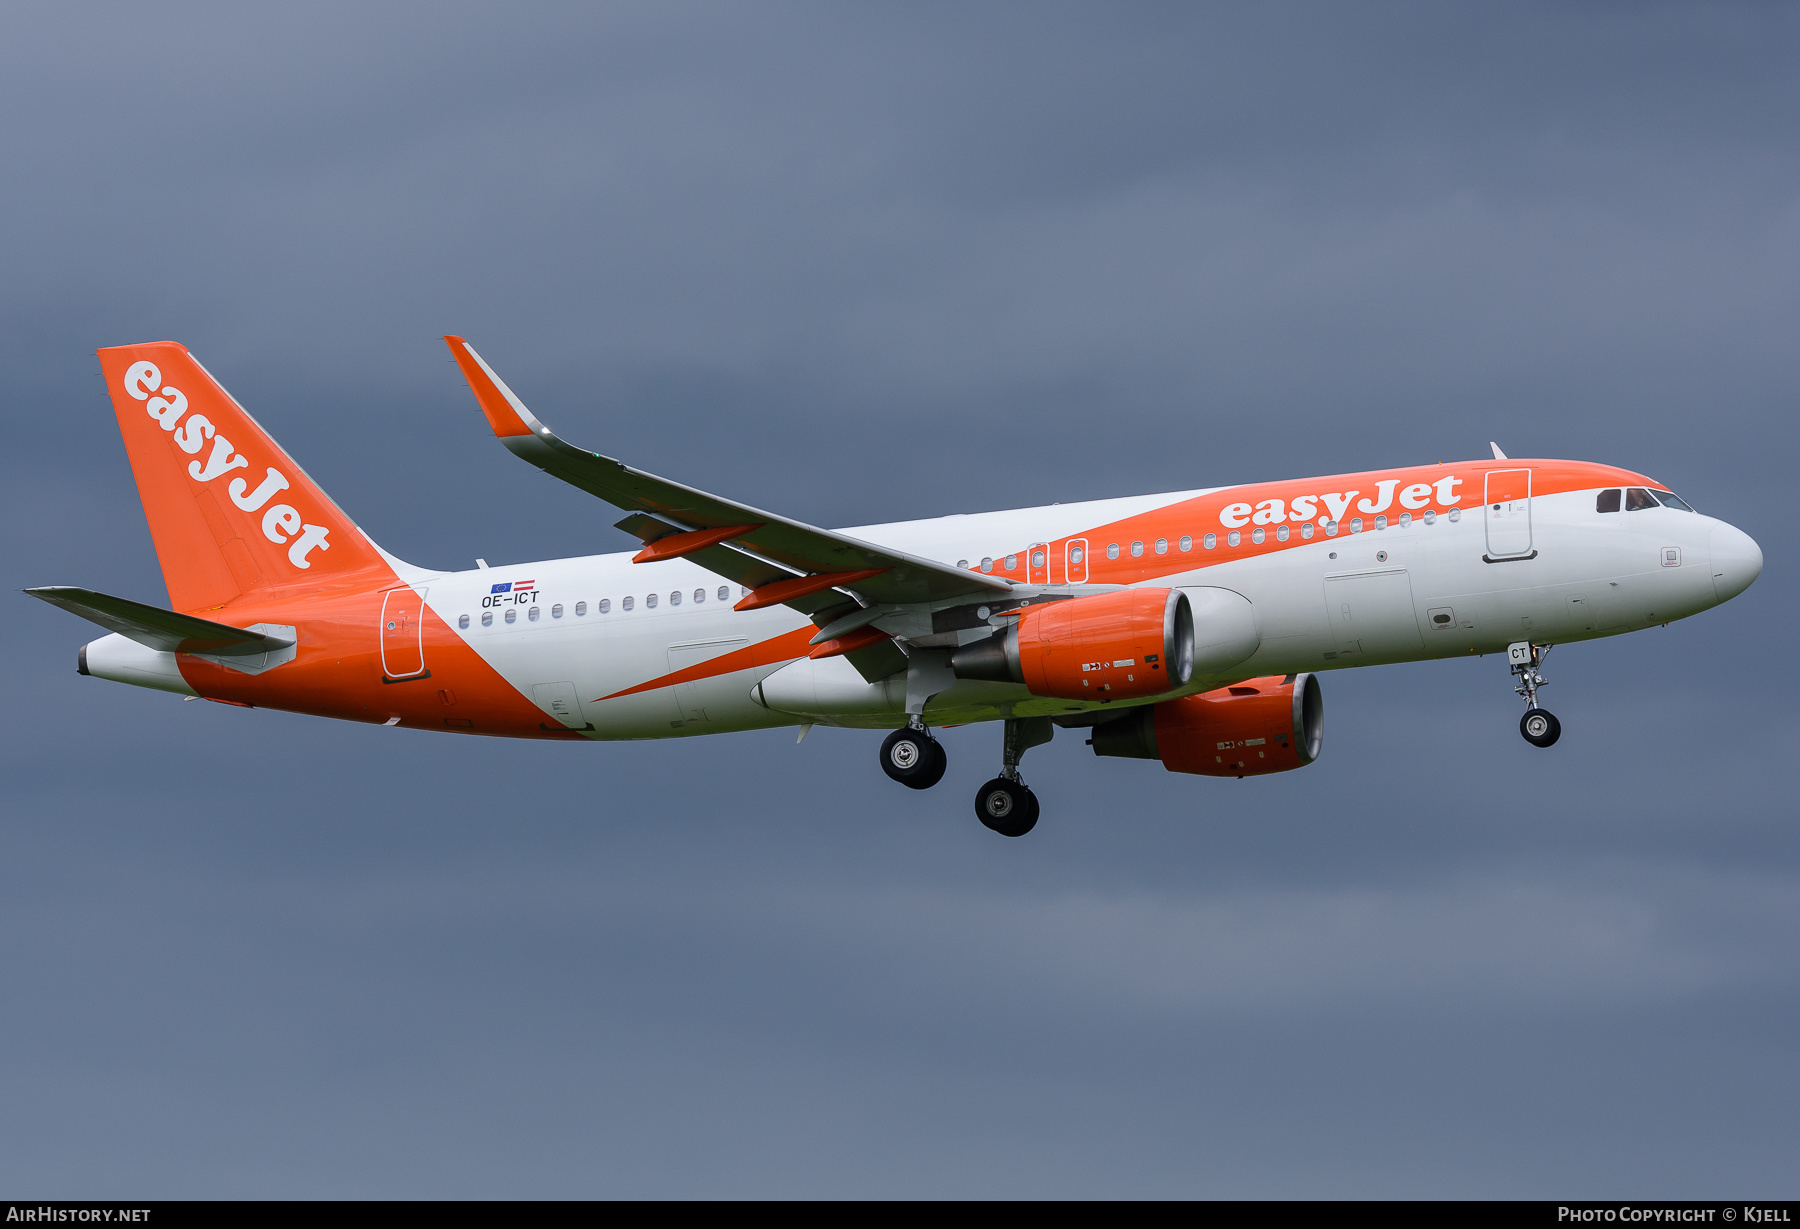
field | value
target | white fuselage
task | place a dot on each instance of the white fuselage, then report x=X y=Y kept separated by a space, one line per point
x=1398 y=594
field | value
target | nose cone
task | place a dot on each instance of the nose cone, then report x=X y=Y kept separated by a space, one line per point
x=1736 y=560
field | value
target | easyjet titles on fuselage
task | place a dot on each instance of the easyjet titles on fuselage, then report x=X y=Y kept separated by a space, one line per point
x=1415 y=497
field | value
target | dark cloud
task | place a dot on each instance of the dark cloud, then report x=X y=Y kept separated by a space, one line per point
x=862 y=265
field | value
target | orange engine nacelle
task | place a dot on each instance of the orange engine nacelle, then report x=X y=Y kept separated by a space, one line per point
x=1257 y=726
x=1124 y=645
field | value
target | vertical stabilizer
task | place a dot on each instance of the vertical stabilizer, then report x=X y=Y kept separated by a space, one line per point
x=229 y=511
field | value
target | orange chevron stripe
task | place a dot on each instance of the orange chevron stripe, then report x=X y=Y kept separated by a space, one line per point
x=785 y=647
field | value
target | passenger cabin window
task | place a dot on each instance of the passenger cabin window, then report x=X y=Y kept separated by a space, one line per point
x=556 y=611
x=533 y=616
x=724 y=593
x=580 y=609
x=462 y=621
x=1211 y=540
x=627 y=603
x=1607 y=501
x=604 y=605
x=675 y=597
x=1187 y=543
x=699 y=595
x=512 y=615
x=1637 y=499
x=487 y=618
x=1669 y=499
x=649 y=601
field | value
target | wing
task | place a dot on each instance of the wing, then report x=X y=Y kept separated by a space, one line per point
x=156 y=628
x=781 y=560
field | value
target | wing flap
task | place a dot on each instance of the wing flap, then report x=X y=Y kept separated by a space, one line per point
x=877 y=661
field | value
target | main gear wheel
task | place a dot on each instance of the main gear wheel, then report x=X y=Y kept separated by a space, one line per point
x=913 y=758
x=1006 y=807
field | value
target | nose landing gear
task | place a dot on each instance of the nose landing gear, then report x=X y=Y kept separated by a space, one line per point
x=1005 y=804
x=1539 y=725
x=911 y=756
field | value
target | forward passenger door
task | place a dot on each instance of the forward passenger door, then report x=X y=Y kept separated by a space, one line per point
x=1507 y=513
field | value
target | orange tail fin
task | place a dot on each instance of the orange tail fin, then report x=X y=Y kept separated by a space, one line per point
x=229 y=511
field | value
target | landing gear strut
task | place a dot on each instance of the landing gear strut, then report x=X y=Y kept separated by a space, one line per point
x=1539 y=725
x=1005 y=805
x=914 y=758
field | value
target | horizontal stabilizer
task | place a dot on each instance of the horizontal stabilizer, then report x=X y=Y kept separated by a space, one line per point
x=156 y=628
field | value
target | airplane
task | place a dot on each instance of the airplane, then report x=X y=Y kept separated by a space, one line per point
x=1189 y=627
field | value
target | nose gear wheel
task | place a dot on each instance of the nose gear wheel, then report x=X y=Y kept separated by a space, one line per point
x=1540 y=727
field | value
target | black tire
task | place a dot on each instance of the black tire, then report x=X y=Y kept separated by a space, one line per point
x=935 y=769
x=1540 y=727
x=1006 y=807
x=913 y=758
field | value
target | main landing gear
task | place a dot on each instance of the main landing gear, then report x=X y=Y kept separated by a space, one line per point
x=1539 y=725
x=1006 y=807
x=911 y=756
x=1005 y=804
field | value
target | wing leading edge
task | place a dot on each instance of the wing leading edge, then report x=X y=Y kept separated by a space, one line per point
x=769 y=551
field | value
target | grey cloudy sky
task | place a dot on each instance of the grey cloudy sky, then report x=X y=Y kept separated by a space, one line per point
x=861 y=264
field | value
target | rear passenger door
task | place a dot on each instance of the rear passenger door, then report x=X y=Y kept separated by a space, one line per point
x=403 y=635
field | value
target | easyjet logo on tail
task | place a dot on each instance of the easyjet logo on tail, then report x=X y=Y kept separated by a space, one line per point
x=282 y=524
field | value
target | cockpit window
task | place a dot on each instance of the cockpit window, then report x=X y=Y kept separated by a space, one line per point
x=1637 y=499
x=1671 y=500
x=1607 y=501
